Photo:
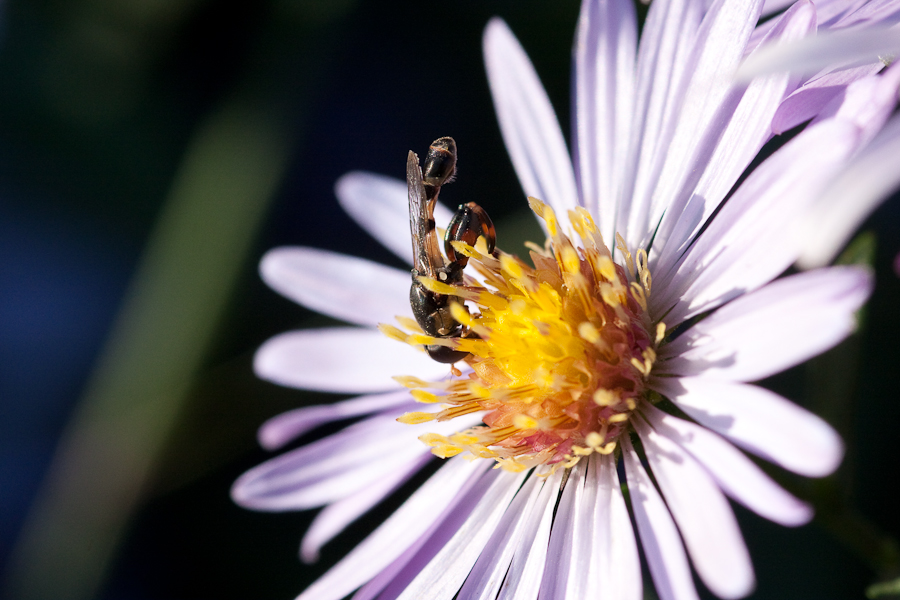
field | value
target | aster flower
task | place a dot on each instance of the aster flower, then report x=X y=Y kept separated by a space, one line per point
x=621 y=356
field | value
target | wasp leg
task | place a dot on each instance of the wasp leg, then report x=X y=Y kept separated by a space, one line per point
x=469 y=222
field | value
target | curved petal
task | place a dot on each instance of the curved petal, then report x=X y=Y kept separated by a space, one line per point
x=776 y=327
x=380 y=205
x=706 y=521
x=666 y=559
x=399 y=532
x=344 y=287
x=858 y=190
x=341 y=359
x=737 y=475
x=335 y=517
x=532 y=134
x=760 y=421
x=605 y=46
x=281 y=429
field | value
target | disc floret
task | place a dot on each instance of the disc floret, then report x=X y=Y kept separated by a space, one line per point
x=560 y=351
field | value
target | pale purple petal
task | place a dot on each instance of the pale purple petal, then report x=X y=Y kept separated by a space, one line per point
x=335 y=517
x=662 y=546
x=604 y=97
x=705 y=87
x=860 y=188
x=523 y=580
x=771 y=329
x=867 y=103
x=615 y=573
x=532 y=134
x=808 y=101
x=751 y=240
x=341 y=359
x=759 y=421
x=484 y=582
x=828 y=49
x=704 y=517
x=344 y=287
x=570 y=542
x=444 y=575
x=737 y=475
x=400 y=531
x=666 y=44
x=773 y=6
x=279 y=430
x=333 y=467
x=380 y=205
x=747 y=117
x=393 y=579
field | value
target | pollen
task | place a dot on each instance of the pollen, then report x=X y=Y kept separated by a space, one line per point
x=559 y=349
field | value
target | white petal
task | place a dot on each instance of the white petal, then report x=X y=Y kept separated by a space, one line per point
x=281 y=429
x=860 y=188
x=344 y=287
x=527 y=568
x=341 y=359
x=401 y=530
x=774 y=328
x=490 y=570
x=759 y=421
x=737 y=475
x=335 y=517
x=604 y=98
x=570 y=542
x=532 y=134
x=829 y=48
x=444 y=575
x=751 y=240
x=665 y=555
x=616 y=570
x=381 y=206
x=743 y=125
x=703 y=515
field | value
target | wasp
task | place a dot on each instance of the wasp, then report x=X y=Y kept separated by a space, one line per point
x=432 y=310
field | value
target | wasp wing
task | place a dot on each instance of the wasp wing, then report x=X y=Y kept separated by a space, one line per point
x=426 y=252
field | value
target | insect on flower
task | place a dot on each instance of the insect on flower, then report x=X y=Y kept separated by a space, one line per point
x=432 y=309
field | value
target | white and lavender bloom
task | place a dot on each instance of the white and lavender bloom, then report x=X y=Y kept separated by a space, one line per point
x=588 y=373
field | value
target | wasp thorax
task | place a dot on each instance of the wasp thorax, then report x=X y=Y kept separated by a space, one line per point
x=560 y=353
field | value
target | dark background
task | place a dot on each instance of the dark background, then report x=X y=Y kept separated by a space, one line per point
x=100 y=101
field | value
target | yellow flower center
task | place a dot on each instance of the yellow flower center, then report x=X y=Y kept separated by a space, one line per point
x=559 y=351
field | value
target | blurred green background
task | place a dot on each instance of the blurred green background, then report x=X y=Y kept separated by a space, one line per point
x=150 y=152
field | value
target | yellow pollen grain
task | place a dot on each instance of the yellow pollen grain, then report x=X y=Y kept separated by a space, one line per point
x=606 y=267
x=392 y=332
x=414 y=418
x=424 y=397
x=571 y=262
x=618 y=418
x=465 y=249
x=660 y=331
x=604 y=397
x=593 y=439
x=432 y=439
x=588 y=332
x=446 y=451
x=510 y=266
x=607 y=449
x=408 y=381
x=521 y=421
x=462 y=316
